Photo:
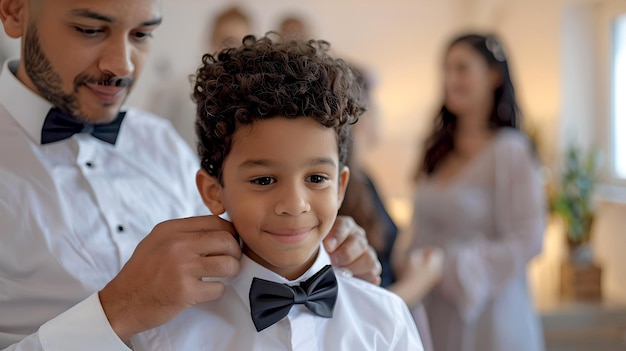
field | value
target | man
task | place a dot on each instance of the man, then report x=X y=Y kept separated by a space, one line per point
x=83 y=263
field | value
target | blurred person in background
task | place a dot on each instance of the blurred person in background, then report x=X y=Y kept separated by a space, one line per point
x=480 y=199
x=294 y=27
x=173 y=100
x=228 y=29
x=408 y=274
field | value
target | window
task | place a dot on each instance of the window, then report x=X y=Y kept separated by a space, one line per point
x=618 y=96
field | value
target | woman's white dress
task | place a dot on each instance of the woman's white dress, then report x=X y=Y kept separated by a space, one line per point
x=490 y=221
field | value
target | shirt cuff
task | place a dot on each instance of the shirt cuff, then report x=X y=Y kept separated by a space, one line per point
x=82 y=327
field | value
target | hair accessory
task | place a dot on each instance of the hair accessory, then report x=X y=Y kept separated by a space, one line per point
x=494 y=47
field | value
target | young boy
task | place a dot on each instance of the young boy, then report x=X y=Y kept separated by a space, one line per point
x=273 y=123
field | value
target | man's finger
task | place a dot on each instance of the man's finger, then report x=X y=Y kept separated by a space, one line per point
x=207 y=291
x=366 y=264
x=374 y=279
x=215 y=243
x=216 y=267
x=198 y=223
x=344 y=227
x=349 y=251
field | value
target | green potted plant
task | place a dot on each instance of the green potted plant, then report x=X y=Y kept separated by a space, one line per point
x=573 y=203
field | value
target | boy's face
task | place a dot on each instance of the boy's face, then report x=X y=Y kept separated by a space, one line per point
x=282 y=188
x=70 y=46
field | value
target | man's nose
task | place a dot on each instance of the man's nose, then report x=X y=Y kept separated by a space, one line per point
x=117 y=57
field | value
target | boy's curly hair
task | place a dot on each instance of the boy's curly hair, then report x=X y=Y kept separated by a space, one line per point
x=264 y=79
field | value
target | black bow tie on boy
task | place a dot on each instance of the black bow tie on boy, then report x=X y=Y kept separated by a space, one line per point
x=271 y=302
x=59 y=126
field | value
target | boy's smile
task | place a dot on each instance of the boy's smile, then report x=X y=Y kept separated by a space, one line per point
x=290 y=235
x=282 y=187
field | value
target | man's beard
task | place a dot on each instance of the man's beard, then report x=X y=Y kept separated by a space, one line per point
x=49 y=84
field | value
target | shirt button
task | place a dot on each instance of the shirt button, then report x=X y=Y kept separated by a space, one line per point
x=89 y=164
x=120 y=228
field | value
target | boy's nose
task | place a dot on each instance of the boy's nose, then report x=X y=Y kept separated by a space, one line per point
x=293 y=201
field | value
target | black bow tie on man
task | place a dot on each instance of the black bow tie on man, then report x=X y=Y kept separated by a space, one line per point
x=271 y=301
x=59 y=125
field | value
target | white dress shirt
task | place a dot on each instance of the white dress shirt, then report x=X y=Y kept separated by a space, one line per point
x=72 y=213
x=366 y=317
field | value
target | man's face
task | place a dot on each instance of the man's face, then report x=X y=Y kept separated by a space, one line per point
x=84 y=55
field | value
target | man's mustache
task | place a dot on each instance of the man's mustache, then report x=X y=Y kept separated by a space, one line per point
x=120 y=81
x=123 y=82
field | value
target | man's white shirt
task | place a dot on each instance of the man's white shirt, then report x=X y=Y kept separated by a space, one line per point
x=72 y=213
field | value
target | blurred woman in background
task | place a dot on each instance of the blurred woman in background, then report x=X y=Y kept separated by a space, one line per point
x=480 y=199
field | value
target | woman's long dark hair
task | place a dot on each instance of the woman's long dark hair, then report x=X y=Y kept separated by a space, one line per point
x=505 y=112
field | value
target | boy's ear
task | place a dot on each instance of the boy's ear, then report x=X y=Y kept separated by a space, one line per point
x=13 y=17
x=344 y=177
x=210 y=190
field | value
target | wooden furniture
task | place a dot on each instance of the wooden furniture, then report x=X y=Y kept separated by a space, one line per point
x=594 y=326
x=581 y=282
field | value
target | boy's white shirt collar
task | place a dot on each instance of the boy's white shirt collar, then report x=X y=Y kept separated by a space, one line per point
x=250 y=269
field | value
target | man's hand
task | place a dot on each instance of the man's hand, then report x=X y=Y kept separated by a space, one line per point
x=164 y=275
x=348 y=248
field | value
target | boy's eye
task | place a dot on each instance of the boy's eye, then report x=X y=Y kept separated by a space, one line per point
x=316 y=178
x=263 y=181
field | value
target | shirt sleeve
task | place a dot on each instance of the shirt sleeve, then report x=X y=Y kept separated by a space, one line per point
x=476 y=272
x=83 y=327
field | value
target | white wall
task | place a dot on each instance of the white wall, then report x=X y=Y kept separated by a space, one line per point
x=609 y=246
x=578 y=89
